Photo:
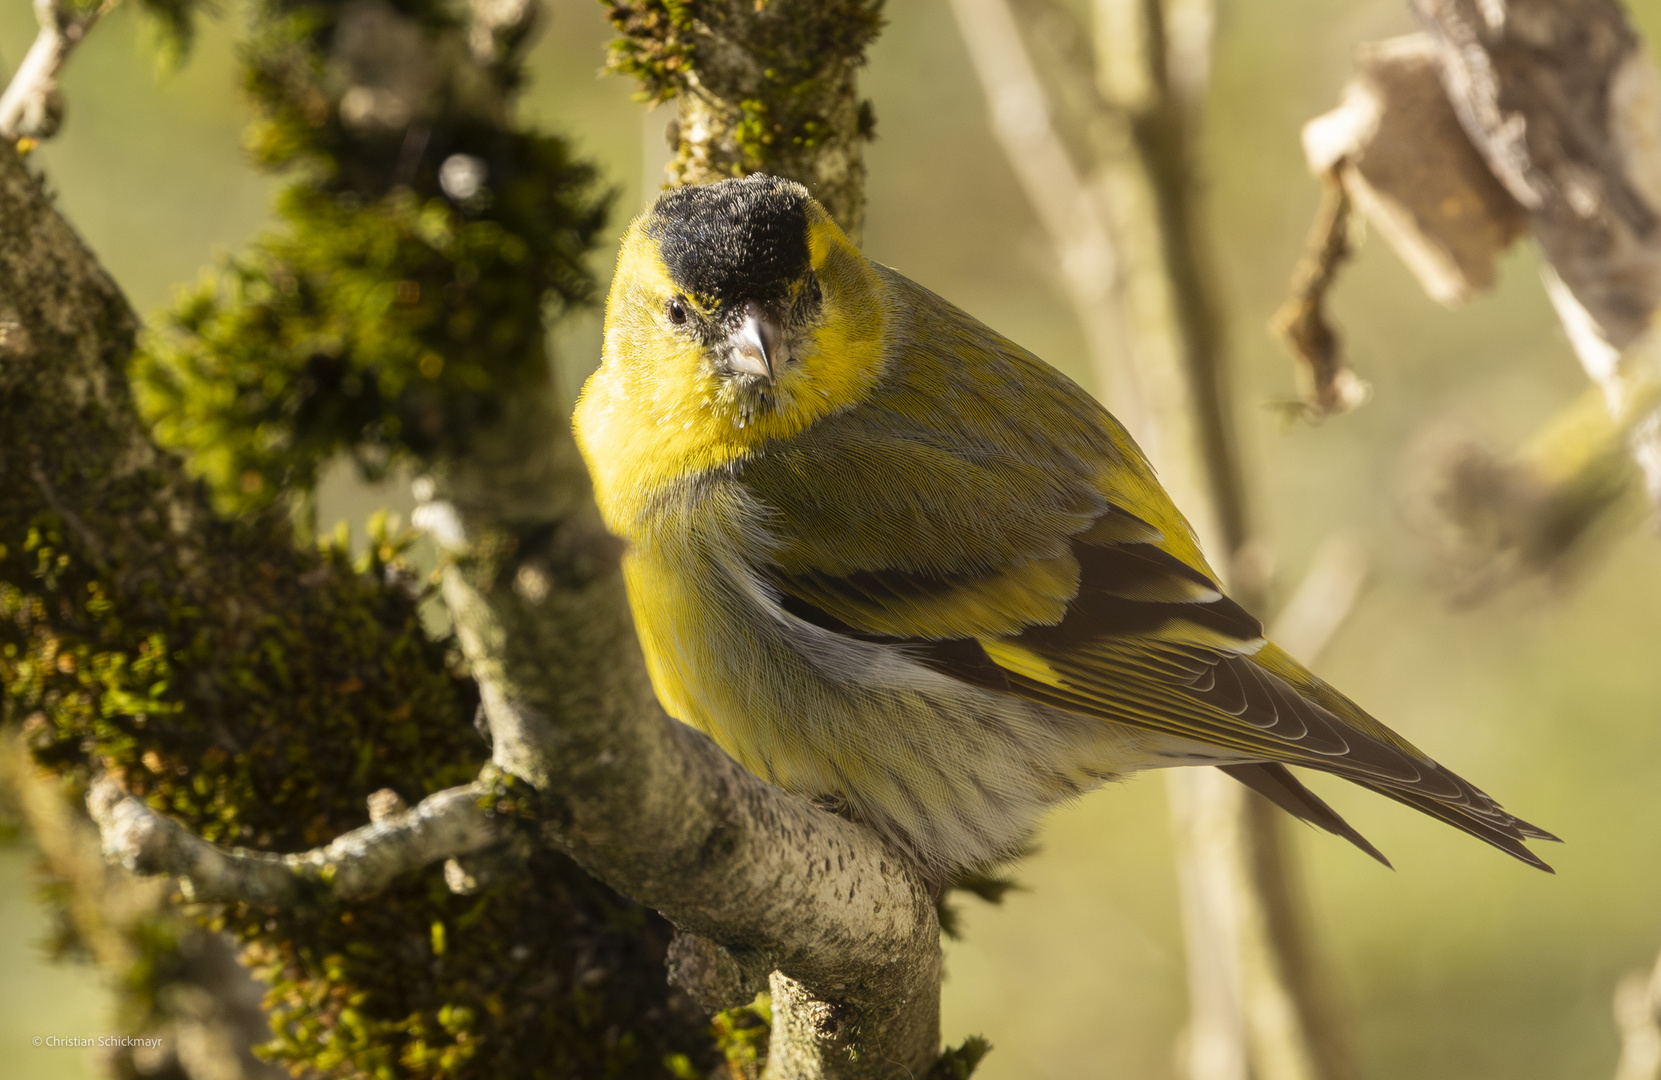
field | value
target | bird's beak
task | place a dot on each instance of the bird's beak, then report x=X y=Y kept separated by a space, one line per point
x=757 y=346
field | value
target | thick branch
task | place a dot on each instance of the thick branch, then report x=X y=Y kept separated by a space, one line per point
x=654 y=808
x=360 y=863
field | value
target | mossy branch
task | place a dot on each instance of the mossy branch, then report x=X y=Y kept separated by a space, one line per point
x=766 y=86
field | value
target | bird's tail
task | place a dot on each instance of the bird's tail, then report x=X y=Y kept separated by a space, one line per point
x=1276 y=783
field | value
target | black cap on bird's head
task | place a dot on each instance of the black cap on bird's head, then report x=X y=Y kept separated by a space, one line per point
x=739 y=250
x=733 y=241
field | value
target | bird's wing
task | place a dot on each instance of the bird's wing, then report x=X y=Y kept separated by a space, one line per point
x=1014 y=538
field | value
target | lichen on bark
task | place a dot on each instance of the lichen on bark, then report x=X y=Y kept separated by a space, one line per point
x=767 y=86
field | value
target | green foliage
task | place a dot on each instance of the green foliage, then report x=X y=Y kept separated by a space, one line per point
x=742 y=1035
x=655 y=44
x=388 y=317
x=960 y=1062
x=173 y=26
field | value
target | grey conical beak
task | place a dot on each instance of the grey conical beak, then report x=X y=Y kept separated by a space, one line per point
x=757 y=346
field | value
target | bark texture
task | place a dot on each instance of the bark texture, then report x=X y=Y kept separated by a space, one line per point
x=651 y=806
x=761 y=87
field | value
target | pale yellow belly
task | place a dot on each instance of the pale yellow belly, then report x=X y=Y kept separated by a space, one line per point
x=953 y=773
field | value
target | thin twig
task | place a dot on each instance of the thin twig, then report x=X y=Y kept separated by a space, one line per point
x=1302 y=321
x=358 y=863
x=31 y=106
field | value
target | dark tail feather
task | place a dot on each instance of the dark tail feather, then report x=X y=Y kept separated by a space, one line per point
x=1276 y=783
x=1500 y=829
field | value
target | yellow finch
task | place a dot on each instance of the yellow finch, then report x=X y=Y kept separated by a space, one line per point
x=888 y=558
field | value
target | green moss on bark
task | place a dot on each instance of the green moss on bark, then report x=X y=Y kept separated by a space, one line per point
x=170 y=631
x=763 y=87
x=420 y=246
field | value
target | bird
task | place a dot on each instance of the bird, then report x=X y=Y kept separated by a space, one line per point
x=894 y=563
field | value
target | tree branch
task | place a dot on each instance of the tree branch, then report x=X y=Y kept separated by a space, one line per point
x=655 y=808
x=1554 y=93
x=650 y=807
x=761 y=88
x=360 y=863
x=1638 y=1019
x=31 y=106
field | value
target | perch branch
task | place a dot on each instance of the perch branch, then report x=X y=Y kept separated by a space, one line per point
x=359 y=863
x=651 y=806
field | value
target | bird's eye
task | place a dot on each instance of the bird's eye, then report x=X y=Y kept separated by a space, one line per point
x=678 y=314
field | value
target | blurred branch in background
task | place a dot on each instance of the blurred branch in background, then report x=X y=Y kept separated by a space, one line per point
x=1531 y=115
x=1638 y=1020
x=1122 y=98
x=32 y=105
x=1330 y=384
x=1063 y=197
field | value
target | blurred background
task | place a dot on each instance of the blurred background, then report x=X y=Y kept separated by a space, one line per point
x=1460 y=964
